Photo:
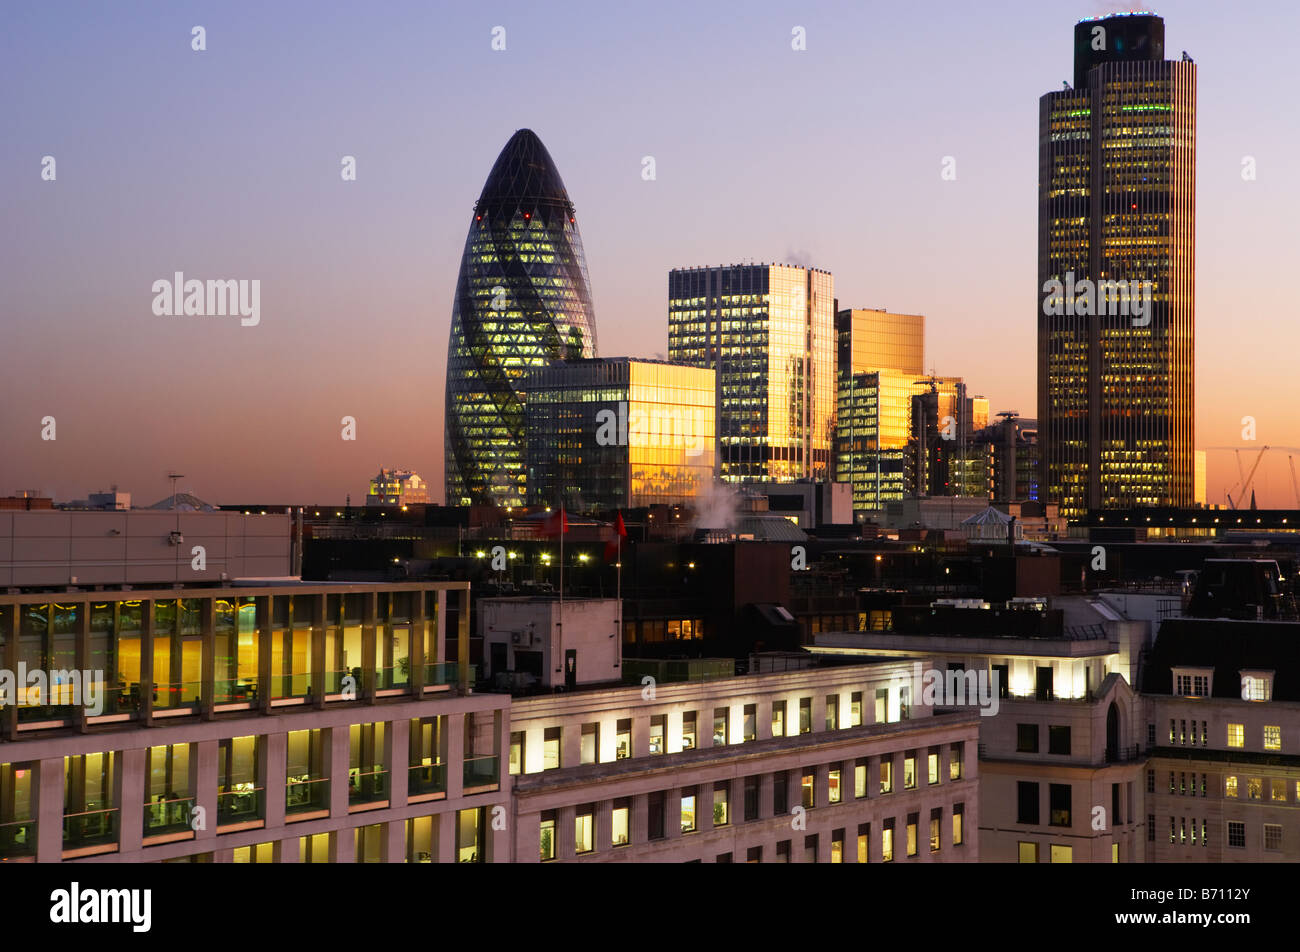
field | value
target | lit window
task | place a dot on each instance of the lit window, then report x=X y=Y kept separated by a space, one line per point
x=1062 y=854
x=1236 y=735
x=547 y=850
x=622 y=816
x=909 y=771
x=583 y=840
x=833 y=792
x=1256 y=686
x=1028 y=852
x=688 y=811
x=1230 y=786
x=1278 y=790
x=1254 y=788
x=1272 y=738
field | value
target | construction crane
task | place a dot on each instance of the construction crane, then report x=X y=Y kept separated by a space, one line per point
x=1246 y=477
x=1245 y=486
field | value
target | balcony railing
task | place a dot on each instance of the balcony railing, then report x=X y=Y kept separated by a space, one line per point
x=176 y=694
x=243 y=804
x=294 y=684
x=447 y=672
x=168 y=816
x=427 y=778
x=368 y=787
x=307 y=795
x=17 y=838
x=482 y=772
x=235 y=691
x=90 y=828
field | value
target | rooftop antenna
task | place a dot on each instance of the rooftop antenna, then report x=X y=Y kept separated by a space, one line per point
x=173 y=476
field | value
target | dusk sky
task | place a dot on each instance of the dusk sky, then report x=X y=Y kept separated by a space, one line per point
x=225 y=163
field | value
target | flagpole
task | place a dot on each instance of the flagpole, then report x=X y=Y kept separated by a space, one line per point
x=561 y=624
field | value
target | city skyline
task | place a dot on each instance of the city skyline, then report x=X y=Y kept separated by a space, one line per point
x=355 y=295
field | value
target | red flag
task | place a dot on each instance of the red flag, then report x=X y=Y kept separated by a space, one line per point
x=556 y=524
x=620 y=530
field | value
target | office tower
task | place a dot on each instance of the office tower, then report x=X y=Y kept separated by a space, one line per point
x=1013 y=443
x=879 y=355
x=870 y=339
x=940 y=458
x=1117 y=189
x=522 y=300
x=619 y=433
x=769 y=332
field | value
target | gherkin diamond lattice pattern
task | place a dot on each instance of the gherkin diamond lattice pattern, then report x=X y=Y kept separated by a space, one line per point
x=522 y=300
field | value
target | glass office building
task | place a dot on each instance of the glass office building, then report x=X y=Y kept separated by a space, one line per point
x=522 y=300
x=619 y=433
x=1117 y=183
x=769 y=332
x=870 y=339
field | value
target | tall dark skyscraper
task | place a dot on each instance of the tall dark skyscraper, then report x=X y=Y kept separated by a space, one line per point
x=522 y=300
x=1117 y=203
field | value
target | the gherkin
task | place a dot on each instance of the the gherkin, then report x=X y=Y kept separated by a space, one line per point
x=522 y=300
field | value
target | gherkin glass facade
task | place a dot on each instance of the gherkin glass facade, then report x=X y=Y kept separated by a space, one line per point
x=522 y=300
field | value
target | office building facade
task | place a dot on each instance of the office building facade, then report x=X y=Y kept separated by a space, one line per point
x=1117 y=207
x=824 y=765
x=618 y=433
x=769 y=333
x=522 y=300
x=247 y=723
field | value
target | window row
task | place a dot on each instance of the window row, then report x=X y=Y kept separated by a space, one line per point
x=719 y=800
x=93 y=814
x=723 y=730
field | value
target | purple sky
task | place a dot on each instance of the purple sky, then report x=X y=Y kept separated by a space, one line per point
x=225 y=164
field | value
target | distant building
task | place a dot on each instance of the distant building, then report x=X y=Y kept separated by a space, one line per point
x=769 y=332
x=397 y=487
x=1013 y=443
x=26 y=500
x=617 y=433
x=113 y=500
x=808 y=505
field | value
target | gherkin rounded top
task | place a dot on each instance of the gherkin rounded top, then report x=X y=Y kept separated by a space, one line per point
x=524 y=175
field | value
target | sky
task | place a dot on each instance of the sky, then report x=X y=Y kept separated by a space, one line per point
x=225 y=163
